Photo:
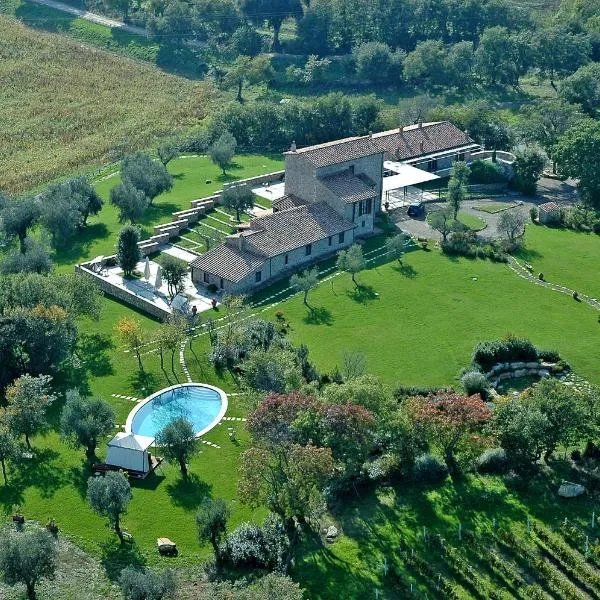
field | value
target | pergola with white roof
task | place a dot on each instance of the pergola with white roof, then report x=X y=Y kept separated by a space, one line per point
x=404 y=178
x=129 y=451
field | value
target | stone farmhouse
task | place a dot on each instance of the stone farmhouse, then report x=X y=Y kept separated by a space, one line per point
x=332 y=196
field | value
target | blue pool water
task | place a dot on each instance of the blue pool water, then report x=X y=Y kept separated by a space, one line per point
x=198 y=404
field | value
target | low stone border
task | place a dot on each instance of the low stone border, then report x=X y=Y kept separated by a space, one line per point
x=505 y=371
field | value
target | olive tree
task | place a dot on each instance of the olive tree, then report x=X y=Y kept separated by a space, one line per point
x=8 y=449
x=511 y=224
x=178 y=442
x=27 y=557
x=146 y=584
x=109 y=496
x=223 y=150
x=85 y=420
x=352 y=261
x=212 y=523
x=305 y=281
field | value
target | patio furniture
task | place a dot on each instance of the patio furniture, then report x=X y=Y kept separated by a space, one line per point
x=166 y=547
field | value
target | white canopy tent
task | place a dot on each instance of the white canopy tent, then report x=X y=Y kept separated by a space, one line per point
x=129 y=451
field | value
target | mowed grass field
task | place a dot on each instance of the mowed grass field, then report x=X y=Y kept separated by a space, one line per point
x=64 y=105
x=418 y=325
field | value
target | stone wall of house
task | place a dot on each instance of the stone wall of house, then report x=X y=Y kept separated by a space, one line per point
x=123 y=294
x=300 y=177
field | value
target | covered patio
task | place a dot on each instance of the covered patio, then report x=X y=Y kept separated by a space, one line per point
x=399 y=183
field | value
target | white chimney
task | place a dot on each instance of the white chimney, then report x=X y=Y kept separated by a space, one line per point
x=420 y=123
x=241 y=241
x=422 y=146
x=466 y=135
x=293 y=147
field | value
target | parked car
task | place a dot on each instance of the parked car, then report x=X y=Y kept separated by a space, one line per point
x=416 y=210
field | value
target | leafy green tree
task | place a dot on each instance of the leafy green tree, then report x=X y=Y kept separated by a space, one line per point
x=511 y=224
x=86 y=197
x=305 y=281
x=27 y=557
x=18 y=216
x=143 y=173
x=35 y=259
x=520 y=427
x=146 y=584
x=175 y=24
x=170 y=335
x=238 y=197
x=173 y=272
x=109 y=496
x=128 y=251
x=583 y=88
x=248 y=70
x=167 y=151
x=374 y=61
x=275 y=370
x=272 y=11
x=426 y=64
x=223 y=150
x=396 y=246
x=442 y=221
x=131 y=202
x=546 y=121
x=84 y=421
x=577 y=154
x=178 y=442
x=121 y=6
x=459 y=65
x=211 y=521
x=288 y=479
x=457 y=190
x=566 y=412
x=560 y=52
x=528 y=167
x=246 y=41
x=352 y=261
x=28 y=399
x=8 y=449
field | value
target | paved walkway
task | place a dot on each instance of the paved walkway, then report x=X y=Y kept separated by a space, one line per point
x=93 y=17
x=178 y=252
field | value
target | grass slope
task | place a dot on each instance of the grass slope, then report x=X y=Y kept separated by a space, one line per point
x=419 y=325
x=64 y=105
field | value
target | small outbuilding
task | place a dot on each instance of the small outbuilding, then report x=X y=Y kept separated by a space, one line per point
x=548 y=213
x=129 y=452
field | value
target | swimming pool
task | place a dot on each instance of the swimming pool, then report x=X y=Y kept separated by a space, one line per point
x=203 y=405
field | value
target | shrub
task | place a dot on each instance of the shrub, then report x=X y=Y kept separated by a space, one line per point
x=401 y=392
x=474 y=382
x=548 y=355
x=485 y=172
x=493 y=461
x=487 y=354
x=257 y=546
x=533 y=213
x=429 y=469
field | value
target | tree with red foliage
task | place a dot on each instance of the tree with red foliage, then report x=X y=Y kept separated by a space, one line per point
x=448 y=421
x=271 y=422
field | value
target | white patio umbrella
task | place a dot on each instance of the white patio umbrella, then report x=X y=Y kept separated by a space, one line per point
x=147 y=269
x=158 y=280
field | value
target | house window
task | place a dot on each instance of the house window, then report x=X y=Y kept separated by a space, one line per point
x=286 y=259
x=363 y=224
x=351 y=169
x=258 y=276
x=206 y=277
x=369 y=206
x=221 y=283
x=461 y=157
x=308 y=249
x=361 y=209
x=330 y=240
x=353 y=211
x=432 y=165
x=341 y=238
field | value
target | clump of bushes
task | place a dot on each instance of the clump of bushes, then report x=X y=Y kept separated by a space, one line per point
x=258 y=546
x=401 y=392
x=492 y=461
x=466 y=243
x=511 y=349
x=475 y=382
x=429 y=469
x=485 y=172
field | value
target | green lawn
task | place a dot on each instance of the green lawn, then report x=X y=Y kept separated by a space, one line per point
x=495 y=207
x=419 y=325
x=566 y=257
x=195 y=177
x=472 y=222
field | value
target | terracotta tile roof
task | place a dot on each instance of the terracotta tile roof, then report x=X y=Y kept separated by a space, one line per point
x=229 y=262
x=549 y=207
x=415 y=141
x=288 y=201
x=339 y=151
x=270 y=236
x=348 y=187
